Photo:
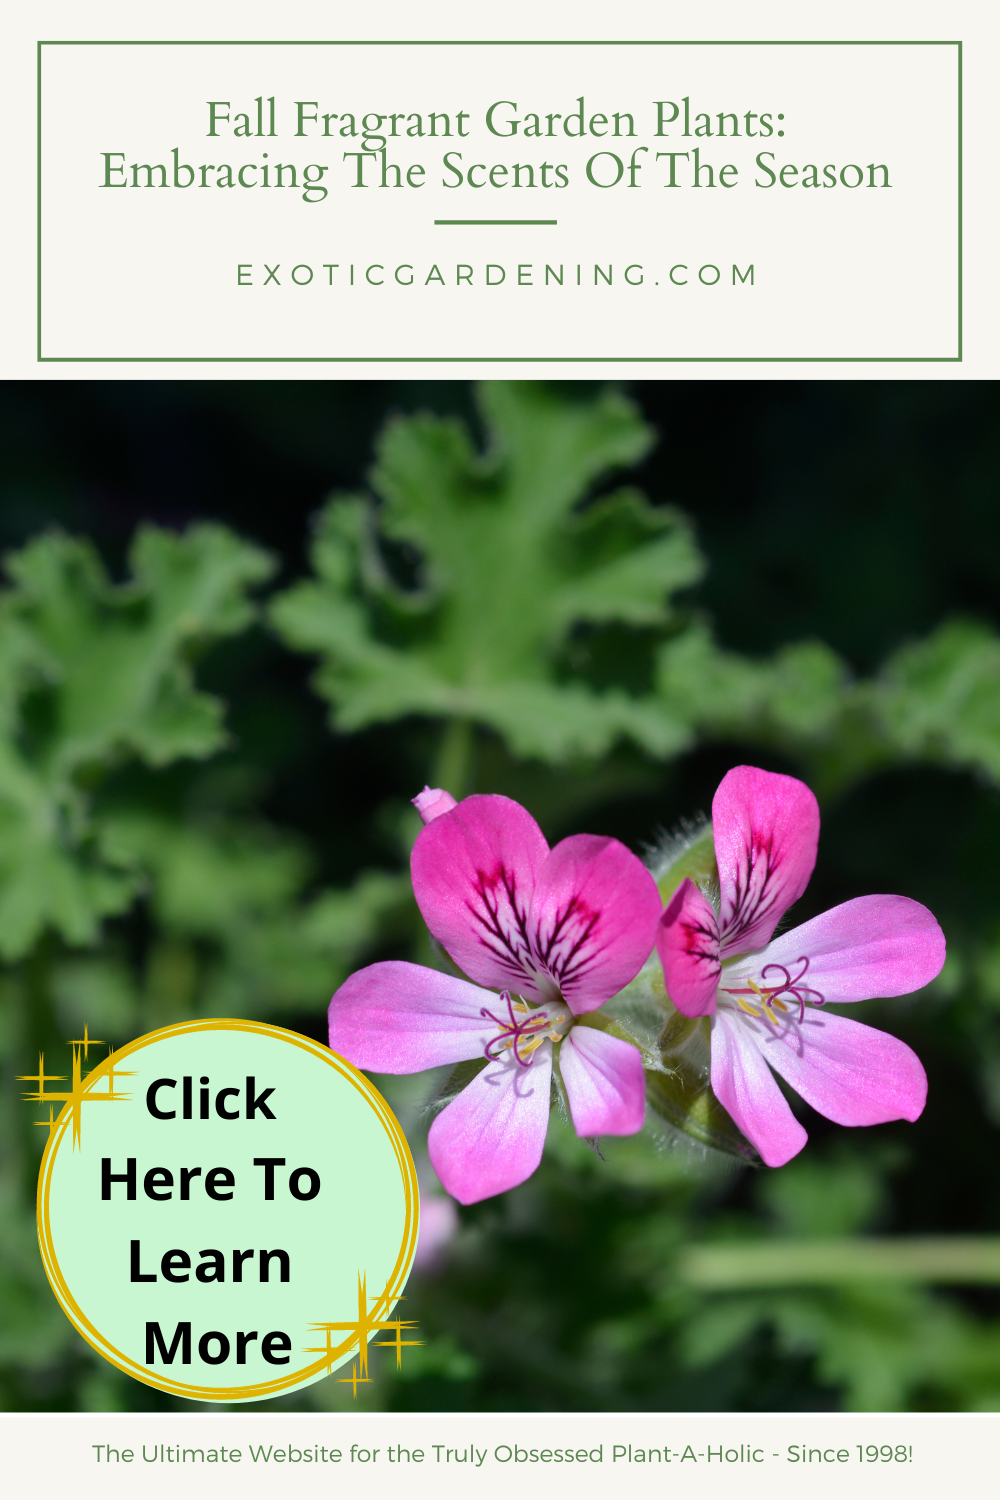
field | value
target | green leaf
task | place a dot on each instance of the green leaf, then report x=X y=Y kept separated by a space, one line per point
x=119 y=655
x=98 y=992
x=935 y=700
x=884 y=1345
x=507 y=559
x=206 y=878
x=796 y=695
x=92 y=674
x=53 y=871
x=345 y=923
x=939 y=699
x=236 y=936
x=34 y=1332
x=294 y=957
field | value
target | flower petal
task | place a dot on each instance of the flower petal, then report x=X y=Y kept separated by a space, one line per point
x=490 y=1138
x=593 y=918
x=746 y=1088
x=872 y=946
x=401 y=1018
x=474 y=871
x=605 y=1084
x=687 y=940
x=851 y=1073
x=766 y=829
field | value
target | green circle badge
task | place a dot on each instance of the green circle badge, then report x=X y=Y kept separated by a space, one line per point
x=227 y=1211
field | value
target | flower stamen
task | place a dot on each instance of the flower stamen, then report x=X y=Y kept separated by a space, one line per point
x=749 y=1010
x=535 y=1027
x=768 y=993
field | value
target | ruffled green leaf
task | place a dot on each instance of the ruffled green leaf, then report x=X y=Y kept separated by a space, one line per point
x=934 y=701
x=503 y=560
x=93 y=674
x=939 y=699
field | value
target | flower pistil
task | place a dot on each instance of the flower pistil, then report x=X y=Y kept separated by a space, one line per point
x=535 y=1025
x=768 y=994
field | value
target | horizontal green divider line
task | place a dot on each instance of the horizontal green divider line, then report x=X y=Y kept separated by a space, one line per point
x=776 y=1263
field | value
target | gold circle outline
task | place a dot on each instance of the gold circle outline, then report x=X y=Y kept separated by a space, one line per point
x=394 y=1284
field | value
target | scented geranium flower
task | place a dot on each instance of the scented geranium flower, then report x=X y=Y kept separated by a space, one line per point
x=556 y=932
x=765 y=996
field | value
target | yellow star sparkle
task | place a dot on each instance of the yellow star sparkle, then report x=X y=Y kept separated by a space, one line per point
x=399 y=1343
x=76 y=1096
x=355 y=1380
x=359 y=1331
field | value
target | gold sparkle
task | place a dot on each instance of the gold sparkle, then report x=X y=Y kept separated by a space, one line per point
x=359 y=1331
x=399 y=1343
x=76 y=1096
x=354 y=1379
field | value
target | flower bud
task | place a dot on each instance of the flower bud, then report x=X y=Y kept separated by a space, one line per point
x=432 y=802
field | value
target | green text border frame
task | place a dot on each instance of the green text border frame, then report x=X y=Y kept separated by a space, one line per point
x=507 y=359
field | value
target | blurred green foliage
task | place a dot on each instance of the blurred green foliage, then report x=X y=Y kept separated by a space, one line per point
x=495 y=612
x=91 y=674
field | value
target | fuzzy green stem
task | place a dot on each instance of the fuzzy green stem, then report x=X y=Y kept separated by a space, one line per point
x=947 y=1259
x=453 y=766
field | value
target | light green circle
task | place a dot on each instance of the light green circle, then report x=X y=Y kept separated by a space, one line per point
x=349 y=1247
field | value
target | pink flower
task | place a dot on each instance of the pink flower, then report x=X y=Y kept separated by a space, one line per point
x=439 y=1223
x=438 y=1227
x=763 y=996
x=556 y=932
